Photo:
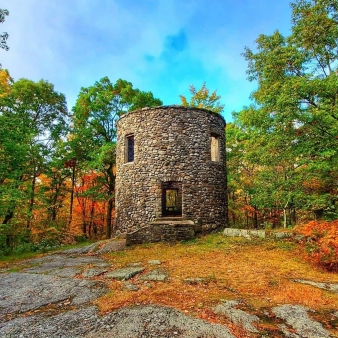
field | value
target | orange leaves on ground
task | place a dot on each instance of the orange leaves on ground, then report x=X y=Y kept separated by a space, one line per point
x=321 y=242
x=296 y=293
x=192 y=299
x=318 y=228
x=260 y=273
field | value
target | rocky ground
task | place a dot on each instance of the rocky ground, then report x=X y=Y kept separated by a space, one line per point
x=52 y=296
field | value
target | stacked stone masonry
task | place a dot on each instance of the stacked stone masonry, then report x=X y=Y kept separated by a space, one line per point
x=166 y=167
x=162 y=231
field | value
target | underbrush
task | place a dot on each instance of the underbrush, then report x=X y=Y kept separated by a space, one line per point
x=321 y=242
x=37 y=242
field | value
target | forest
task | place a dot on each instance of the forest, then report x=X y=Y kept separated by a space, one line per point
x=57 y=167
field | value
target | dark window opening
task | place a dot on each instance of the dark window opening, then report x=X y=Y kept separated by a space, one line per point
x=130 y=148
x=171 y=199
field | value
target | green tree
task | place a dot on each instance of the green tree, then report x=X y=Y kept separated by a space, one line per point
x=294 y=122
x=55 y=186
x=95 y=114
x=33 y=118
x=202 y=99
x=3 y=36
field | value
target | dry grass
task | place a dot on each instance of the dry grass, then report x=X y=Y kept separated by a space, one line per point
x=258 y=272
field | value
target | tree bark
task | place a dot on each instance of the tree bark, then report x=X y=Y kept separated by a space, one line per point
x=110 y=206
x=31 y=200
x=72 y=196
x=109 y=218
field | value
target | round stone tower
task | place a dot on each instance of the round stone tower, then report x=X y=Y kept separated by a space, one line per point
x=170 y=166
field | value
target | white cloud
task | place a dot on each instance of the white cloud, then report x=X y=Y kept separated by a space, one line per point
x=74 y=43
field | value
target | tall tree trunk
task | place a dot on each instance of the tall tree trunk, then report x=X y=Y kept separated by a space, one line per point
x=227 y=223
x=31 y=200
x=52 y=209
x=287 y=204
x=91 y=219
x=72 y=194
x=84 y=220
x=111 y=201
x=233 y=219
x=109 y=218
x=294 y=215
x=84 y=228
x=255 y=218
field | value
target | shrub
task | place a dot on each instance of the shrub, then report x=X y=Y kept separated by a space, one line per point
x=321 y=242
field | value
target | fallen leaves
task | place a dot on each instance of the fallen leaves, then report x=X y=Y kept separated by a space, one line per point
x=259 y=272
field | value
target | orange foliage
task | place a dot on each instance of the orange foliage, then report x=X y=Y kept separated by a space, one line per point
x=296 y=293
x=321 y=242
x=5 y=83
x=260 y=274
x=88 y=213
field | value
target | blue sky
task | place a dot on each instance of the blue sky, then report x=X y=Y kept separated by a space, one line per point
x=161 y=46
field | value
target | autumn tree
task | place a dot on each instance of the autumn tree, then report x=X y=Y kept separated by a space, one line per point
x=95 y=114
x=5 y=82
x=203 y=99
x=90 y=204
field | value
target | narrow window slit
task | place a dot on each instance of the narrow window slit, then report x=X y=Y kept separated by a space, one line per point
x=129 y=150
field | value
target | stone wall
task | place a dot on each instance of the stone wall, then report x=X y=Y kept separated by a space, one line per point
x=171 y=144
x=162 y=231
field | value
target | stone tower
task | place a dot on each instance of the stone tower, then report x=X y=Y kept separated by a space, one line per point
x=170 y=173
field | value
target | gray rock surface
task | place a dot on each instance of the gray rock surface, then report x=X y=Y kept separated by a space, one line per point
x=282 y=235
x=112 y=246
x=80 y=250
x=143 y=321
x=325 y=286
x=21 y=292
x=93 y=272
x=58 y=262
x=194 y=280
x=65 y=272
x=131 y=287
x=237 y=316
x=157 y=321
x=297 y=317
x=232 y=232
x=125 y=273
x=39 y=260
x=154 y=262
x=76 y=323
x=135 y=264
x=251 y=233
x=159 y=275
